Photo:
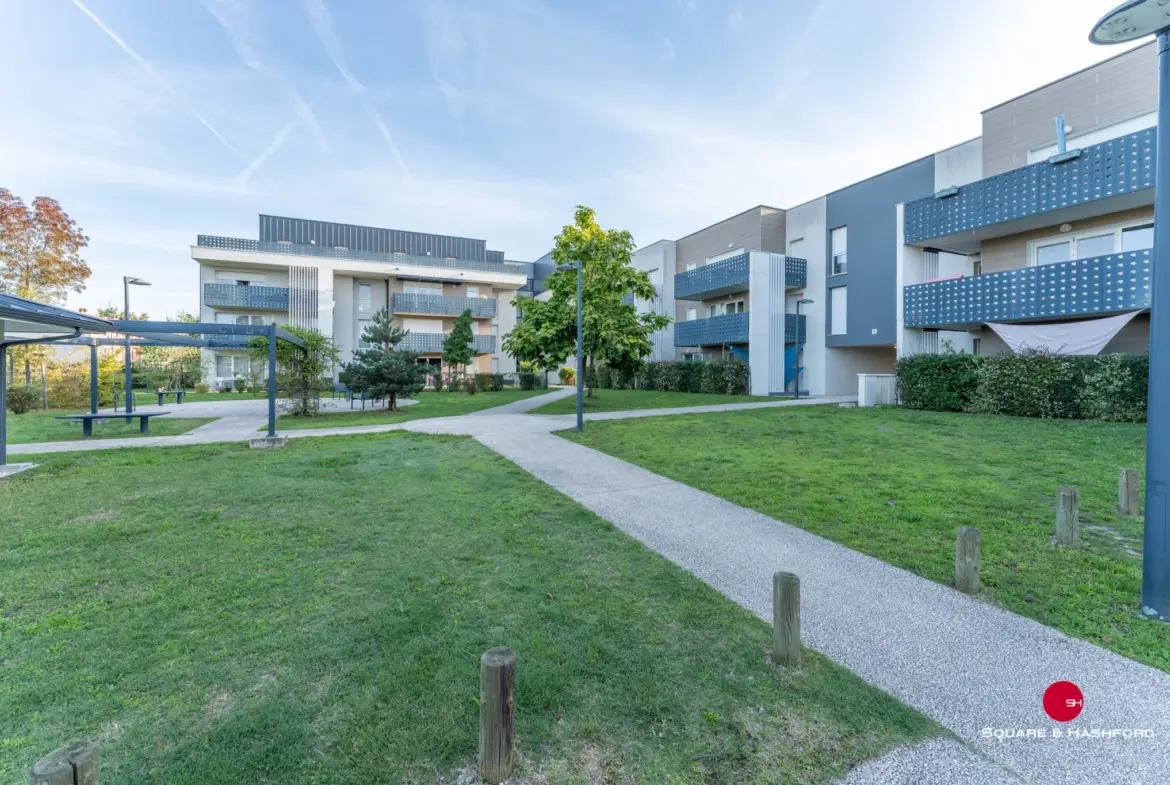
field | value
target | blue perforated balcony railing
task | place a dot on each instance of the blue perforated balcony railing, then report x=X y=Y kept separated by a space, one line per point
x=441 y=305
x=230 y=295
x=731 y=328
x=432 y=343
x=292 y=249
x=1082 y=287
x=731 y=275
x=1112 y=168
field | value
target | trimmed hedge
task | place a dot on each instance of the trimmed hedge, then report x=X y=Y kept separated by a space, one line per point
x=722 y=377
x=1111 y=387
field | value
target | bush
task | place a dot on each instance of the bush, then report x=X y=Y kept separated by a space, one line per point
x=471 y=384
x=1117 y=388
x=527 y=380
x=69 y=389
x=938 y=382
x=23 y=398
x=722 y=377
x=496 y=382
x=567 y=375
x=202 y=387
x=1032 y=384
x=603 y=377
x=483 y=381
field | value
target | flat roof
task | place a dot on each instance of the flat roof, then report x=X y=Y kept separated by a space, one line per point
x=28 y=316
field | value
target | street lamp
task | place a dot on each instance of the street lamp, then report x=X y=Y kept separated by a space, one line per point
x=1129 y=21
x=580 y=350
x=796 y=354
x=127 y=282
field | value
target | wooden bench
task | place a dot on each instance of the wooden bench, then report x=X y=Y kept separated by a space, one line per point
x=87 y=420
x=162 y=394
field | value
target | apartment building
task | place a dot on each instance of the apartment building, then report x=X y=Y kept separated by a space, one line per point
x=1006 y=234
x=335 y=277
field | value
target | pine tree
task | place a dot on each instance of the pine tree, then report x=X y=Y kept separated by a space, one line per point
x=384 y=371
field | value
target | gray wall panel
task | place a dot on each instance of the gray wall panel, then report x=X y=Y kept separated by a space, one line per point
x=365 y=238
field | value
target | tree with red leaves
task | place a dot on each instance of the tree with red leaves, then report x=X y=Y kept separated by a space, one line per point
x=40 y=249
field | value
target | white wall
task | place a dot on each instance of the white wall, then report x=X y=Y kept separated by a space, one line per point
x=843 y=365
x=958 y=165
x=807 y=223
x=342 y=322
x=505 y=321
x=659 y=259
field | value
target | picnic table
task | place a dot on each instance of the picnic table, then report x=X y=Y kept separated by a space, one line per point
x=162 y=394
x=87 y=420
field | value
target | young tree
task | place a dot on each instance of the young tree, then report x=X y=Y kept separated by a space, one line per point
x=303 y=374
x=613 y=330
x=112 y=311
x=383 y=370
x=457 y=349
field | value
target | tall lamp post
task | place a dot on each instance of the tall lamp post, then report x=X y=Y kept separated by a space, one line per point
x=1129 y=21
x=580 y=350
x=127 y=282
x=796 y=354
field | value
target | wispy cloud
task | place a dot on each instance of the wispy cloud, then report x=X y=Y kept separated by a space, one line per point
x=278 y=140
x=446 y=45
x=322 y=22
x=688 y=6
x=735 y=18
x=667 y=49
x=156 y=76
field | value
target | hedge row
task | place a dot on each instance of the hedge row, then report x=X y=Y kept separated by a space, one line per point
x=1109 y=387
x=724 y=377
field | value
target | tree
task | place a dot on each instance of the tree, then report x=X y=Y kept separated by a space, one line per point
x=112 y=311
x=303 y=373
x=40 y=250
x=613 y=330
x=383 y=370
x=457 y=349
x=179 y=367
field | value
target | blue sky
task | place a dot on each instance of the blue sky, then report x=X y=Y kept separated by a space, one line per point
x=153 y=121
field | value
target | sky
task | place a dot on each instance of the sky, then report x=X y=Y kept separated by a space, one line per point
x=152 y=121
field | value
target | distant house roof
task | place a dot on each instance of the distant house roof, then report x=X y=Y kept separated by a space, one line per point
x=28 y=317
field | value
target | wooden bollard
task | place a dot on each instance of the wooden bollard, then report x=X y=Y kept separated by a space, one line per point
x=967 y=560
x=497 y=706
x=73 y=764
x=786 y=619
x=1129 y=493
x=1068 y=525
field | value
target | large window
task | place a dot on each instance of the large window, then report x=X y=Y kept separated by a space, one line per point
x=228 y=366
x=1091 y=243
x=243 y=318
x=838 y=310
x=365 y=297
x=417 y=289
x=839 y=240
x=363 y=325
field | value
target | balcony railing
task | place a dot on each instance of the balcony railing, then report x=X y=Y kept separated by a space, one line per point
x=292 y=249
x=1098 y=285
x=731 y=275
x=440 y=305
x=1118 y=166
x=432 y=343
x=231 y=295
x=732 y=328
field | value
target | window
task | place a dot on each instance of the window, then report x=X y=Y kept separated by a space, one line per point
x=1092 y=243
x=240 y=366
x=363 y=325
x=735 y=307
x=692 y=314
x=239 y=279
x=223 y=366
x=473 y=291
x=976 y=346
x=976 y=265
x=839 y=241
x=692 y=266
x=837 y=311
x=714 y=310
x=1054 y=252
x=365 y=297
x=416 y=289
x=1137 y=238
x=1097 y=245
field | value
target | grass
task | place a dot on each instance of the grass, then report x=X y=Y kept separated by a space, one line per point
x=622 y=400
x=44 y=427
x=315 y=614
x=895 y=484
x=430 y=404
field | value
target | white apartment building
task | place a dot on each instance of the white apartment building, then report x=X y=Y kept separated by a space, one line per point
x=335 y=277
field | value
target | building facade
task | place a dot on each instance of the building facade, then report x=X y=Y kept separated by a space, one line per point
x=335 y=277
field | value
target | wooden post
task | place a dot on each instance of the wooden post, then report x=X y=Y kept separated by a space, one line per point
x=1068 y=518
x=497 y=705
x=73 y=764
x=786 y=619
x=967 y=560
x=1129 y=493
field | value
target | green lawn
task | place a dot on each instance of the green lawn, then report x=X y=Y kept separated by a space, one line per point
x=43 y=427
x=895 y=484
x=315 y=614
x=621 y=400
x=430 y=404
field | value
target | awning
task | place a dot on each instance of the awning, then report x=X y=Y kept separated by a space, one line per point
x=1088 y=336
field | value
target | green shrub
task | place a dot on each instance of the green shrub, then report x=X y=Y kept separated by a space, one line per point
x=623 y=379
x=603 y=377
x=938 y=382
x=527 y=380
x=471 y=384
x=496 y=382
x=23 y=398
x=1032 y=384
x=69 y=390
x=483 y=382
x=202 y=387
x=1116 y=388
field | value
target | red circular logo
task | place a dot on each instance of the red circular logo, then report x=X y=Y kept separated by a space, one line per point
x=1063 y=701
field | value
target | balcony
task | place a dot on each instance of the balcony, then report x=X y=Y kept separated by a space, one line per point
x=432 y=343
x=440 y=305
x=230 y=295
x=322 y=252
x=1124 y=165
x=731 y=328
x=728 y=276
x=1082 y=287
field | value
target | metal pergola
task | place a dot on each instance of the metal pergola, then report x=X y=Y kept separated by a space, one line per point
x=24 y=322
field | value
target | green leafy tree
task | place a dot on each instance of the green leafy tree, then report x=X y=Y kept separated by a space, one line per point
x=180 y=367
x=613 y=330
x=457 y=350
x=112 y=311
x=302 y=373
x=383 y=370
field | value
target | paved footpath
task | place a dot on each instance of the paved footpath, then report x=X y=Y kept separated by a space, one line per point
x=966 y=664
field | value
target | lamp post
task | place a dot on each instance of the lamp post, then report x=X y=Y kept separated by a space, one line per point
x=796 y=354
x=580 y=349
x=1129 y=21
x=127 y=282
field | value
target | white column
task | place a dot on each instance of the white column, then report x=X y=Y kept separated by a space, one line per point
x=505 y=321
x=766 y=322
